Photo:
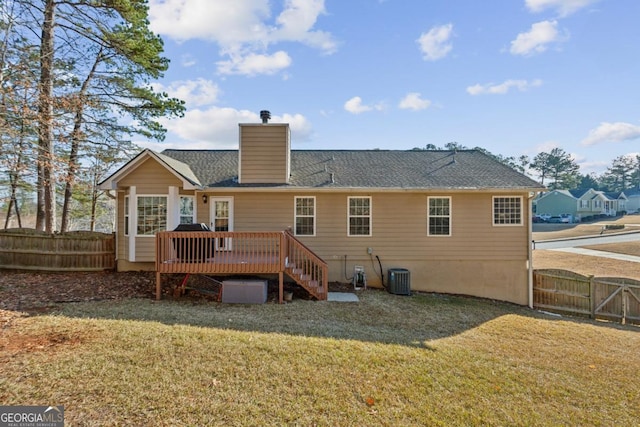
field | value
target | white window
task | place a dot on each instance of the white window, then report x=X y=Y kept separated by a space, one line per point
x=152 y=215
x=126 y=215
x=507 y=210
x=439 y=216
x=186 y=210
x=359 y=216
x=305 y=216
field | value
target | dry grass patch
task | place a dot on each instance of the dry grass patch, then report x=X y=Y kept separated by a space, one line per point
x=585 y=264
x=388 y=360
x=627 y=248
x=566 y=231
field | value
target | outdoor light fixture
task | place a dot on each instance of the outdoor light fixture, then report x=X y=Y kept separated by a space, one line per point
x=204 y=198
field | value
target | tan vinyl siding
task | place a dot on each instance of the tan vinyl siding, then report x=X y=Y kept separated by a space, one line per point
x=477 y=259
x=150 y=178
x=264 y=154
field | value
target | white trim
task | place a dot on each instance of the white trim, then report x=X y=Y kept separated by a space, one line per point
x=295 y=215
x=440 y=216
x=349 y=216
x=530 y=253
x=133 y=223
x=138 y=196
x=111 y=183
x=126 y=208
x=212 y=218
x=194 y=214
x=493 y=211
x=173 y=207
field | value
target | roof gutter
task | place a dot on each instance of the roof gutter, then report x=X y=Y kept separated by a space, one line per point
x=298 y=189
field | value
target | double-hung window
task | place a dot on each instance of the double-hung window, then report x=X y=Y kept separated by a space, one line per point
x=152 y=215
x=359 y=216
x=305 y=216
x=507 y=210
x=439 y=216
x=186 y=210
x=126 y=215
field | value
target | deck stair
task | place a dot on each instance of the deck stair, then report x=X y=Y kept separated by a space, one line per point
x=202 y=252
x=306 y=268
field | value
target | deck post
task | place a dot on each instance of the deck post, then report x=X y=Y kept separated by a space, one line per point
x=158 y=285
x=280 y=286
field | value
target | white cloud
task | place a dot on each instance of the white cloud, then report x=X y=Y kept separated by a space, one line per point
x=296 y=22
x=434 y=44
x=562 y=7
x=187 y=60
x=414 y=102
x=253 y=64
x=217 y=128
x=242 y=28
x=212 y=20
x=502 y=88
x=612 y=132
x=537 y=39
x=194 y=93
x=355 y=106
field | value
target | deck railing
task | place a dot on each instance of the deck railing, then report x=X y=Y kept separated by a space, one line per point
x=273 y=252
x=308 y=269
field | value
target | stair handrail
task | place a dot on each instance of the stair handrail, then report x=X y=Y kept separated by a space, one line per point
x=291 y=239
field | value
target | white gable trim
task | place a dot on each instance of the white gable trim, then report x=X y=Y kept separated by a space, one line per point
x=111 y=183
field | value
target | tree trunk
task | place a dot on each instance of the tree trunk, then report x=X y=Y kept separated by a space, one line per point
x=76 y=136
x=45 y=217
x=13 y=201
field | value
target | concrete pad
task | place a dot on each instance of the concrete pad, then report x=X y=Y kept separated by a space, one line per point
x=342 y=297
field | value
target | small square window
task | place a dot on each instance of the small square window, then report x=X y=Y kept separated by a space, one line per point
x=507 y=210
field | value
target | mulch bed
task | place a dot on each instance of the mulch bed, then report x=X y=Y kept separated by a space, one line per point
x=25 y=291
x=37 y=291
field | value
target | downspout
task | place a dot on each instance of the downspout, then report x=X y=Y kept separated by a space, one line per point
x=530 y=249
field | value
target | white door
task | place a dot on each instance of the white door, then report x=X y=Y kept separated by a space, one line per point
x=222 y=219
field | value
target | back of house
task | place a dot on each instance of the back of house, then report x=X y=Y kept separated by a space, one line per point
x=457 y=221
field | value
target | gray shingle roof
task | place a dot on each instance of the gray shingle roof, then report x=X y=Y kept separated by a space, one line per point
x=384 y=169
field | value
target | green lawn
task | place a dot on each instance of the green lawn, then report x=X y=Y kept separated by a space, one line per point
x=387 y=360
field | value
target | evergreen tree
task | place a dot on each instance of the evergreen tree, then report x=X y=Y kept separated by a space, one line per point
x=96 y=63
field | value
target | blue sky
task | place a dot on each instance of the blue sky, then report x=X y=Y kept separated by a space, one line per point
x=512 y=76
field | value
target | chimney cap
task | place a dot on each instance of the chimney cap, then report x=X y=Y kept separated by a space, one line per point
x=265 y=115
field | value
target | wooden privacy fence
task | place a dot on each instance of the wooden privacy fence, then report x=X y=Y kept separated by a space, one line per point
x=611 y=298
x=28 y=249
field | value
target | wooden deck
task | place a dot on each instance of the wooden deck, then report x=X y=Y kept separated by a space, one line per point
x=206 y=252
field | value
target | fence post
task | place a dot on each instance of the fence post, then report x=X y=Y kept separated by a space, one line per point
x=592 y=297
x=625 y=303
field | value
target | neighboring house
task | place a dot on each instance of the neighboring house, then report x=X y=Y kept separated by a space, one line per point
x=581 y=204
x=633 y=200
x=458 y=221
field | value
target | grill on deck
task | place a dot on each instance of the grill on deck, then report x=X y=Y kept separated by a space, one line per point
x=193 y=250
